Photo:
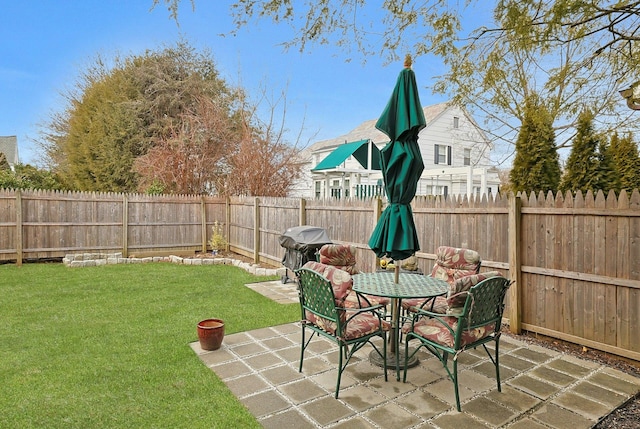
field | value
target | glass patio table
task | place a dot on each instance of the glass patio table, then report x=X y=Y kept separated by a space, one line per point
x=408 y=286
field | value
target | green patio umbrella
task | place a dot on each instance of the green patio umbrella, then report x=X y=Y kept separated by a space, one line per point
x=395 y=234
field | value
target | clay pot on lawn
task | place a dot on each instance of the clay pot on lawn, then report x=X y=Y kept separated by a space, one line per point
x=211 y=333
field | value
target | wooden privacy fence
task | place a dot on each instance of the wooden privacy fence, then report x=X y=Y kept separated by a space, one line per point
x=575 y=261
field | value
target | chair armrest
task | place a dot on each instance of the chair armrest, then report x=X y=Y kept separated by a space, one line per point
x=353 y=312
x=362 y=296
x=420 y=313
x=361 y=309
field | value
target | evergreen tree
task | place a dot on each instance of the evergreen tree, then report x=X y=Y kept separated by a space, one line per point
x=627 y=161
x=536 y=166
x=4 y=164
x=582 y=168
x=608 y=174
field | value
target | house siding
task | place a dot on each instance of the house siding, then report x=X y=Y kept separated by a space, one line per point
x=453 y=175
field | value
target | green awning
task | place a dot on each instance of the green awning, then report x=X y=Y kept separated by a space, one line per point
x=359 y=150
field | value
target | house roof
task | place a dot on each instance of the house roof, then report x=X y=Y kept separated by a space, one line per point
x=359 y=150
x=9 y=146
x=367 y=130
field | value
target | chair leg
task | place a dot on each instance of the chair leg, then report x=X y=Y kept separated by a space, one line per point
x=407 y=356
x=455 y=382
x=497 y=363
x=384 y=355
x=495 y=360
x=406 y=359
x=340 y=348
x=302 y=347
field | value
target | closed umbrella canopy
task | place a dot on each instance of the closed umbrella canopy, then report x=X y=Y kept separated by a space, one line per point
x=395 y=233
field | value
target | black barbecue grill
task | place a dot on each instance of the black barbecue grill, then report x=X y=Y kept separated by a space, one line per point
x=301 y=244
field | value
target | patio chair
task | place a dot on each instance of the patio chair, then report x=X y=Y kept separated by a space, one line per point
x=343 y=256
x=322 y=296
x=476 y=323
x=454 y=300
x=452 y=263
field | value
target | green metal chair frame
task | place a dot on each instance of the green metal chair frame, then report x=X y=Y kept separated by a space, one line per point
x=484 y=306
x=317 y=296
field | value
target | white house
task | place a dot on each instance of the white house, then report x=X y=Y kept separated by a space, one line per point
x=454 y=149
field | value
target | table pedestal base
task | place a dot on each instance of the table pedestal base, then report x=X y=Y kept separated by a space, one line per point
x=375 y=359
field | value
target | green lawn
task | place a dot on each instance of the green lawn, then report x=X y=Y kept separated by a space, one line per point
x=108 y=347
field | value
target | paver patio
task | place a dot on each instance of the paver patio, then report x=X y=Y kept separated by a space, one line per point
x=541 y=388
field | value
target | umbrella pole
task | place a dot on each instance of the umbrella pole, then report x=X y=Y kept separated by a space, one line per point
x=395 y=315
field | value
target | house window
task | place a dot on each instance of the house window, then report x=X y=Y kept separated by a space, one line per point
x=456 y=122
x=346 y=188
x=442 y=154
x=318 y=189
x=336 y=190
x=467 y=156
x=441 y=190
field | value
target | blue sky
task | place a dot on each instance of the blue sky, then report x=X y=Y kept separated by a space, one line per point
x=45 y=44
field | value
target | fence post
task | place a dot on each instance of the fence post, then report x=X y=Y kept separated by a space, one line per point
x=19 y=251
x=303 y=212
x=377 y=211
x=227 y=223
x=203 y=216
x=125 y=226
x=515 y=273
x=256 y=231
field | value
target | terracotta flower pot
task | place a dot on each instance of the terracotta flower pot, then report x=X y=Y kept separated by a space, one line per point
x=211 y=333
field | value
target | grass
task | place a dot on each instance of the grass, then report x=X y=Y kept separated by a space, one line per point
x=108 y=347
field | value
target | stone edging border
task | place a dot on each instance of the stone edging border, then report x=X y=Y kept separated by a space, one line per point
x=97 y=259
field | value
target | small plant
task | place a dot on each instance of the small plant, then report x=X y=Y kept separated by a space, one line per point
x=156 y=188
x=217 y=241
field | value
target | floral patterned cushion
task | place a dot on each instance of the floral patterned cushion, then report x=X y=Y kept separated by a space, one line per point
x=439 y=305
x=433 y=330
x=322 y=323
x=453 y=263
x=352 y=300
x=359 y=326
x=453 y=303
x=341 y=282
x=457 y=296
x=364 y=324
x=342 y=256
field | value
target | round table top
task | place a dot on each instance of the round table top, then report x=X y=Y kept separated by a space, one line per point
x=408 y=286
